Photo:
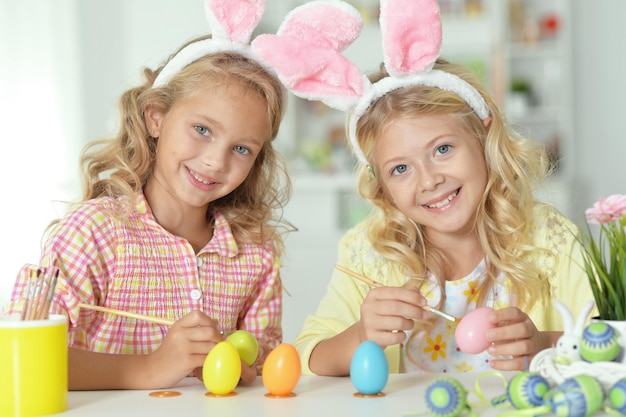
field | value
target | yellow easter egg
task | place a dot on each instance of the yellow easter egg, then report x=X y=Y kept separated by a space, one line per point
x=281 y=370
x=222 y=369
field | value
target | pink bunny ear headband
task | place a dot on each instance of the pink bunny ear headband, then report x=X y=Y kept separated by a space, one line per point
x=411 y=38
x=232 y=23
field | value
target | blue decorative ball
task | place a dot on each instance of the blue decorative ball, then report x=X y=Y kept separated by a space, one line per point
x=446 y=397
x=579 y=396
x=599 y=343
x=617 y=396
x=527 y=390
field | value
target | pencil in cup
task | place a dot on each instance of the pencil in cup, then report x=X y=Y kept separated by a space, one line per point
x=377 y=284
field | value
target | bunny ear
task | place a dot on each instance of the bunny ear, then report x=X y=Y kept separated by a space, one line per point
x=568 y=319
x=330 y=25
x=234 y=20
x=312 y=72
x=579 y=327
x=411 y=32
x=306 y=53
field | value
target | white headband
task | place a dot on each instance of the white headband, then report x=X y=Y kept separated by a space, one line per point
x=411 y=38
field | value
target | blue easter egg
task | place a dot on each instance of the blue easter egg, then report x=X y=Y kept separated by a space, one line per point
x=446 y=397
x=578 y=396
x=599 y=343
x=617 y=396
x=369 y=369
x=527 y=390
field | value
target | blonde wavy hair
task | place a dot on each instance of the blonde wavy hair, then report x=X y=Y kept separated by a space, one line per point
x=514 y=166
x=119 y=167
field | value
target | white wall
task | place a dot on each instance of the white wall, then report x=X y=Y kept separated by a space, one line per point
x=600 y=79
x=118 y=37
x=41 y=124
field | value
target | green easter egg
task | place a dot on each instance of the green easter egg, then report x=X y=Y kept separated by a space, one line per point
x=579 y=396
x=446 y=397
x=617 y=396
x=599 y=343
x=527 y=390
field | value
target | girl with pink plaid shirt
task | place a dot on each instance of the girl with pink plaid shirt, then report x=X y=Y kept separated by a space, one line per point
x=180 y=219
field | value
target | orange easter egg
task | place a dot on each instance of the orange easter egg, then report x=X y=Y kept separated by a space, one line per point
x=281 y=370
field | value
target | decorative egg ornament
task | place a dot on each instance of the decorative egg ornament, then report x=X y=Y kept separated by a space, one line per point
x=617 y=396
x=527 y=390
x=281 y=371
x=446 y=397
x=221 y=370
x=369 y=369
x=599 y=343
x=471 y=332
x=579 y=396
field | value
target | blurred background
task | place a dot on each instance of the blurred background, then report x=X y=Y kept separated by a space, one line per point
x=555 y=66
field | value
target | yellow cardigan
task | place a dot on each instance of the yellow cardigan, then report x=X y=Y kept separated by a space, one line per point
x=340 y=307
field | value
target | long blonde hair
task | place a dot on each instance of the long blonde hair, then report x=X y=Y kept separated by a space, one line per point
x=514 y=166
x=119 y=167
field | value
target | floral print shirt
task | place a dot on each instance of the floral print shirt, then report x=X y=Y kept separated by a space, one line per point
x=438 y=351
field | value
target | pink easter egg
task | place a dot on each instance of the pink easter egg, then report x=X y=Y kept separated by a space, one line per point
x=471 y=332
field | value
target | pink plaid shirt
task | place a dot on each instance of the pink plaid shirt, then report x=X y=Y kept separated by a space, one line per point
x=135 y=265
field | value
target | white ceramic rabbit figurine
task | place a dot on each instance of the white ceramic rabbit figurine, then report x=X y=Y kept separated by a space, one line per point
x=568 y=346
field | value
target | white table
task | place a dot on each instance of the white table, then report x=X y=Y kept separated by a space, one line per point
x=315 y=397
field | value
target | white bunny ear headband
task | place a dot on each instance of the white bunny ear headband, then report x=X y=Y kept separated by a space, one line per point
x=232 y=23
x=411 y=39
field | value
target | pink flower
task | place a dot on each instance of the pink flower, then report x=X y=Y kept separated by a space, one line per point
x=607 y=210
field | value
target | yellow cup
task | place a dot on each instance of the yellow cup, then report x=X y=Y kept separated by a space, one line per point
x=33 y=366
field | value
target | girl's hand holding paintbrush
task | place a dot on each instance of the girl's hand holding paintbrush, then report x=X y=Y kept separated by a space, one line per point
x=186 y=344
x=388 y=312
x=185 y=347
x=188 y=341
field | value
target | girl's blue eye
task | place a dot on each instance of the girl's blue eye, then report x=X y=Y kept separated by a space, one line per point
x=443 y=149
x=242 y=150
x=202 y=130
x=400 y=169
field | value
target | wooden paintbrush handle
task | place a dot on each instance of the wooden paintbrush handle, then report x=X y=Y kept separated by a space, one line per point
x=151 y=319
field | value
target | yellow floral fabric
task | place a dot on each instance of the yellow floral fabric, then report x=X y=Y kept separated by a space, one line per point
x=438 y=351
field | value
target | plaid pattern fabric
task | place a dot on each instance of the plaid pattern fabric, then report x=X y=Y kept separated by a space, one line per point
x=135 y=265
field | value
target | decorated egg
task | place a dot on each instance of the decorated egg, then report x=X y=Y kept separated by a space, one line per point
x=527 y=390
x=617 y=396
x=446 y=397
x=471 y=332
x=577 y=396
x=222 y=369
x=599 y=343
x=281 y=371
x=369 y=369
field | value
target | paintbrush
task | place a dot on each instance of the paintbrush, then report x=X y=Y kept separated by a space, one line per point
x=373 y=283
x=150 y=319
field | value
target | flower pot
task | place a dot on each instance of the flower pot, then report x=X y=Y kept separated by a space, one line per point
x=620 y=328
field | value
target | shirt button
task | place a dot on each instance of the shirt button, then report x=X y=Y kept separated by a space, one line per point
x=196 y=294
x=199 y=261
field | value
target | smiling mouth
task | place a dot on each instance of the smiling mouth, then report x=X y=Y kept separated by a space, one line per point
x=445 y=201
x=202 y=180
